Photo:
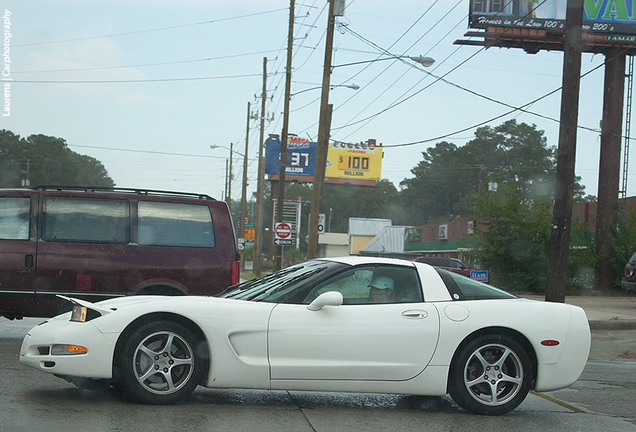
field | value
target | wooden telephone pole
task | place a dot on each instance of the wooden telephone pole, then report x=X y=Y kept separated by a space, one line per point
x=566 y=155
x=322 y=145
x=283 y=137
x=258 y=228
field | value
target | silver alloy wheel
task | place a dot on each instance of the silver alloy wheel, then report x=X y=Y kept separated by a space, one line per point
x=163 y=362
x=493 y=374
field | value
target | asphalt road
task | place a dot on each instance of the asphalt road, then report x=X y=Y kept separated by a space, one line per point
x=30 y=400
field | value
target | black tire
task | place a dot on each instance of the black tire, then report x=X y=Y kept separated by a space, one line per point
x=159 y=363
x=491 y=375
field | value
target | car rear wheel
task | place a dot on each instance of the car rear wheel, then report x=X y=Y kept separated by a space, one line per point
x=491 y=375
x=159 y=363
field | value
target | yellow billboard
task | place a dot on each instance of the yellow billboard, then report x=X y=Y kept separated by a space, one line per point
x=354 y=161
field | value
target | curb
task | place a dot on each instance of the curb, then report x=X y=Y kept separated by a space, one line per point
x=613 y=325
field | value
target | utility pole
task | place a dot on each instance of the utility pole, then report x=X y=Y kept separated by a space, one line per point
x=229 y=182
x=283 y=138
x=227 y=200
x=244 y=189
x=258 y=230
x=609 y=165
x=566 y=155
x=322 y=145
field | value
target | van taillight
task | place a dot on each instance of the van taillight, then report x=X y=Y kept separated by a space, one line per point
x=235 y=272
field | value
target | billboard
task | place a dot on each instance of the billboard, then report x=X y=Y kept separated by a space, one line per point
x=354 y=161
x=348 y=161
x=610 y=17
x=301 y=155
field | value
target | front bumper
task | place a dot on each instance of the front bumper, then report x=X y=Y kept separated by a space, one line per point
x=96 y=363
x=628 y=285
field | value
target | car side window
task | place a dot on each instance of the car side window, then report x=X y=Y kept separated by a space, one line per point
x=14 y=218
x=373 y=285
x=173 y=224
x=86 y=220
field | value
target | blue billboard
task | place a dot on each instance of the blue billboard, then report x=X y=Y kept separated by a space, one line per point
x=301 y=156
x=613 y=17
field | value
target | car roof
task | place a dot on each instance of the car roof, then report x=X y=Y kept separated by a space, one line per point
x=357 y=260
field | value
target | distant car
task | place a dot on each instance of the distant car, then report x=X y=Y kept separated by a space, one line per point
x=629 y=278
x=100 y=243
x=450 y=264
x=353 y=324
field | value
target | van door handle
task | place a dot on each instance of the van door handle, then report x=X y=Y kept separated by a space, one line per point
x=28 y=261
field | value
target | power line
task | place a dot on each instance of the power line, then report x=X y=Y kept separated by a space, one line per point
x=501 y=116
x=149 y=152
x=134 y=81
x=148 y=30
x=145 y=64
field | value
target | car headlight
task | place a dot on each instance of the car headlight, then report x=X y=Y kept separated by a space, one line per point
x=60 y=349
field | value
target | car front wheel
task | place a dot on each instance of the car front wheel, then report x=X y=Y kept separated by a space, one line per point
x=159 y=363
x=491 y=375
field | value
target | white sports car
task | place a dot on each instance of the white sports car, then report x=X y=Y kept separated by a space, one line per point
x=341 y=325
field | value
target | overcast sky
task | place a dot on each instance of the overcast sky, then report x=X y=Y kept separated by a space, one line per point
x=147 y=86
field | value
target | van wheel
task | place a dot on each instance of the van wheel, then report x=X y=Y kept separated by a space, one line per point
x=159 y=363
x=491 y=375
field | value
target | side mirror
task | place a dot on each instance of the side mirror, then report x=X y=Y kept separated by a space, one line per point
x=330 y=298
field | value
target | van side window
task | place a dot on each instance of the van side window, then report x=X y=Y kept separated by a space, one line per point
x=171 y=224
x=86 y=220
x=14 y=218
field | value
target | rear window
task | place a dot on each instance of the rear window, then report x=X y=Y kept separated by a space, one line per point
x=14 y=218
x=171 y=224
x=463 y=288
x=86 y=220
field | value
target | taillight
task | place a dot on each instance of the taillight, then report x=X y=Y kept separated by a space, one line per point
x=235 y=272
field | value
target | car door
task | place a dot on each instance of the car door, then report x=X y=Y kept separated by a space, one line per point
x=359 y=340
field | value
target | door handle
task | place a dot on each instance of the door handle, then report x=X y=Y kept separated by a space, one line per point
x=415 y=314
x=28 y=261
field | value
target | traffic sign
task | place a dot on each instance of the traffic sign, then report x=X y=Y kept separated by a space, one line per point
x=321 y=223
x=282 y=231
x=281 y=242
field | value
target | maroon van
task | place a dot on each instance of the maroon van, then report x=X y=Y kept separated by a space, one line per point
x=450 y=264
x=99 y=243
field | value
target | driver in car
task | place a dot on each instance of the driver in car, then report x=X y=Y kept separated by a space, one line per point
x=381 y=290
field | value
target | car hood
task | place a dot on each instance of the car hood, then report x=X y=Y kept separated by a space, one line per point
x=121 y=302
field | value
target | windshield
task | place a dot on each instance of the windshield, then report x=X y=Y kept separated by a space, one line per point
x=286 y=285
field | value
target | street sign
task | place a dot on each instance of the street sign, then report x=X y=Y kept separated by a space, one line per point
x=283 y=242
x=481 y=275
x=321 y=223
x=282 y=231
x=249 y=232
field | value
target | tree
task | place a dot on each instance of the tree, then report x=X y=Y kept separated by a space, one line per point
x=448 y=175
x=345 y=201
x=10 y=170
x=48 y=161
x=515 y=246
x=440 y=181
x=622 y=237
